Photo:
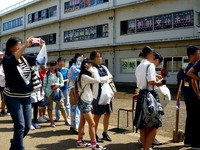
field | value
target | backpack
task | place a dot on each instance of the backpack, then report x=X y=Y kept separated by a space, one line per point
x=74 y=95
x=152 y=111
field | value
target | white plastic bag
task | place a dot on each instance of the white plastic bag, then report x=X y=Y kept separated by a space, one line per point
x=106 y=94
x=42 y=57
x=164 y=95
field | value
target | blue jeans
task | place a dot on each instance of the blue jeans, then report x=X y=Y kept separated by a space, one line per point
x=20 y=111
x=66 y=103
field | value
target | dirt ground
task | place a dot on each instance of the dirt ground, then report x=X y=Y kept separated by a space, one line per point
x=60 y=138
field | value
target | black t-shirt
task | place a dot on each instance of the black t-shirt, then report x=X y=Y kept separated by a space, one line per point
x=197 y=66
x=188 y=90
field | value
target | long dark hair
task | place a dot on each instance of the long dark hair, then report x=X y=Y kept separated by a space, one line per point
x=84 y=70
x=74 y=60
x=93 y=54
x=10 y=43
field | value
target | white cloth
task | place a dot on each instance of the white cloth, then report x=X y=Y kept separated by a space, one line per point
x=164 y=95
x=2 y=77
x=90 y=94
x=36 y=97
x=142 y=77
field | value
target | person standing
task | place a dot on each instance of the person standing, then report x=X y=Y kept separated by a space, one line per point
x=18 y=87
x=2 y=85
x=146 y=82
x=100 y=110
x=65 y=89
x=53 y=81
x=73 y=73
x=86 y=86
x=192 y=98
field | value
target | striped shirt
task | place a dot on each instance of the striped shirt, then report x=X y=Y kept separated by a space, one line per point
x=26 y=71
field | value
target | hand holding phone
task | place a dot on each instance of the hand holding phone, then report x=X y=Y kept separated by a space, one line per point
x=36 y=40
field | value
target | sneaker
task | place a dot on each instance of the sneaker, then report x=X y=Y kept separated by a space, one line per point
x=56 y=120
x=156 y=142
x=98 y=147
x=106 y=137
x=3 y=112
x=46 y=117
x=98 y=139
x=82 y=144
x=37 y=126
x=42 y=120
x=53 y=125
x=32 y=127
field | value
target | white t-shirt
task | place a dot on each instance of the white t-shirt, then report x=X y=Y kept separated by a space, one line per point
x=2 y=77
x=142 y=76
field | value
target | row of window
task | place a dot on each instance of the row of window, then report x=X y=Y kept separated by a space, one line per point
x=173 y=64
x=87 y=33
x=74 y=5
x=160 y=22
x=13 y=24
x=42 y=14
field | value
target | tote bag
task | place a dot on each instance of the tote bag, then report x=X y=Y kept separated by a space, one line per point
x=106 y=94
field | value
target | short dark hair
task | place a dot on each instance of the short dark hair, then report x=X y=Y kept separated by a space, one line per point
x=60 y=59
x=158 y=56
x=191 y=50
x=52 y=63
x=145 y=51
x=12 y=41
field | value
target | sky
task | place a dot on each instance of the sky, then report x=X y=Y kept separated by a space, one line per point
x=7 y=3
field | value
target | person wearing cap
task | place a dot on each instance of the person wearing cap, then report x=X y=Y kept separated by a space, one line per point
x=192 y=98
x=53 y=81
x=2 y=85
x=146 y=82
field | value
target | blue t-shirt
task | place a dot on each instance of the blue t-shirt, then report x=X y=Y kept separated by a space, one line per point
x=64 y=72
x=188 y=90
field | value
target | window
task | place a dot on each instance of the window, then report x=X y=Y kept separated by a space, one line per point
x=168 y=64
x=39 y=15
x=49 y=39
x=36 y=16
x=198 y=19
x=99 y=31
x=131 y=26
x=124 y=27
x=177 y=64
x=73 y=5
x=44 y=14
x=173 y=64
x=13 y=24
x=52 y=11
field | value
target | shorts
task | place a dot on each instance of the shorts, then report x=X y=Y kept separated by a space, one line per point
x=84 y=107
x=101 y=109
x=49 y=100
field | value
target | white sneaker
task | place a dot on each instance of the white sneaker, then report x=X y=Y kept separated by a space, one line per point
x=42 y=120
x=46 y=117
x=32 y=127
x=156 y=142
x=53 y=125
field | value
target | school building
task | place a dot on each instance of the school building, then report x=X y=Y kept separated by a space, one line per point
x=117 y=28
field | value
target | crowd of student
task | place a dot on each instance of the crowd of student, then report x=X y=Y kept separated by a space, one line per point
x=87 y=75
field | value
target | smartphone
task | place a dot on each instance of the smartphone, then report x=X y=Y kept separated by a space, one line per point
x=36 y=40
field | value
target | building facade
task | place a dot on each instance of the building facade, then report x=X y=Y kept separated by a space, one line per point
x=117 y=28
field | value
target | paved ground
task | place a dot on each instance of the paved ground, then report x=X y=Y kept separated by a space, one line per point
x=60 y=138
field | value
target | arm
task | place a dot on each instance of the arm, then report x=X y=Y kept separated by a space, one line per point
x=61 y=81
x=195 y=87
x=151 y=76
x=19 y=53
x=45 y=82
x=191 y=73
x=94 y=79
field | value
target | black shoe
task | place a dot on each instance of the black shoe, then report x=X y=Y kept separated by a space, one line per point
x=71 y=129
x=107 y=138
x=12 y=147
x=98 y=139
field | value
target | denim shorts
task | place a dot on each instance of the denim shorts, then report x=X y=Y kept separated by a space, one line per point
x=84 y=107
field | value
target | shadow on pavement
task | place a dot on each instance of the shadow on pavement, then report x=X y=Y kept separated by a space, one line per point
x=62 y=145
x=169 y=148
x=120 y=130
x=51 y=133
x=127 y=146
x=6 y=121
x=6 y=129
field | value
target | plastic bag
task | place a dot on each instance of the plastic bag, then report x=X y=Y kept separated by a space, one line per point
x=42 y=57
x=164 y=95
x=106 y=94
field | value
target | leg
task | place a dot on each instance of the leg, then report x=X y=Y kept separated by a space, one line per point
x=73 y=108
x=66 y=102
x=57 y=112
x=81 y=127
x=35 y=112
x=150 y=136
x=61 y=106
x=77 y=117
x=27 y=115
x=16 y=110
x=89 y=118
x=50 y=107
x=106 y=122
x=143 y=137
x=96 y=120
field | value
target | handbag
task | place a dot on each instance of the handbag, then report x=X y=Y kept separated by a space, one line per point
x=106 y=94
x=164 y=95
x=113 y=87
